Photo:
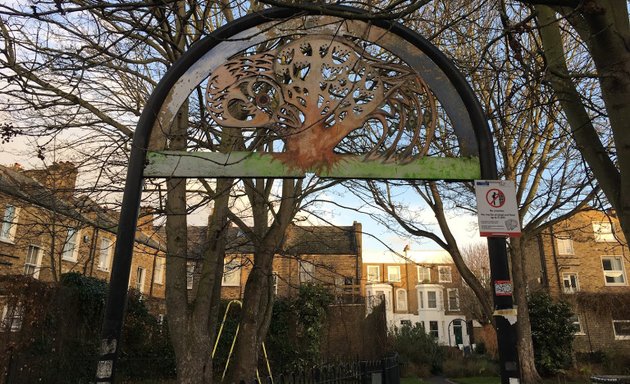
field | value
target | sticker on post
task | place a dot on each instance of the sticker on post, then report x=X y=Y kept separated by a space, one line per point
x=503 y=287
x=497 y=209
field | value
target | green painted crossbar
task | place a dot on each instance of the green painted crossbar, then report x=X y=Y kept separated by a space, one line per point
x=258 y=164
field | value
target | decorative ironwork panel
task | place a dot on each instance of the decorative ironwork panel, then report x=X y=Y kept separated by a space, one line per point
x=341 y=98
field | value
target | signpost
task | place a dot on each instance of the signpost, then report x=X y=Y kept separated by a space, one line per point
x=497 y=209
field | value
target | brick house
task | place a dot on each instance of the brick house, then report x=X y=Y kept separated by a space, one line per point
x=46 y=230
x=325 y=255
x=421 y=287
x=585 y=261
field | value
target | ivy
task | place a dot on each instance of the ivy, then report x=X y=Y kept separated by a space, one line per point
x=552 y=333
x=296 y=329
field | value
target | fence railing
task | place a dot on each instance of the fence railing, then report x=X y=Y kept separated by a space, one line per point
x=26 y=371
x=383 y=371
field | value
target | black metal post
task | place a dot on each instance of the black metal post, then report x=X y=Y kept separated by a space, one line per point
x=505 y=314
x=121 y=268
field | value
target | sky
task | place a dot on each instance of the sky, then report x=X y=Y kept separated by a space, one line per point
x=376 y=238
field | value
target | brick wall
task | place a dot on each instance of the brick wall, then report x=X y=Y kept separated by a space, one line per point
x=572 y=251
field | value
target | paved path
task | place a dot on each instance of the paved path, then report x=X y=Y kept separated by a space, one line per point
x=438 y=380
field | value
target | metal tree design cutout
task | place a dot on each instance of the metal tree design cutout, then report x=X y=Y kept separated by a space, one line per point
x=315 y=90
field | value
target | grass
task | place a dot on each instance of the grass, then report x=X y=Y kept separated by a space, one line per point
x=478 y=380
x=411 y=380
x=487 y=380
x=497 y=380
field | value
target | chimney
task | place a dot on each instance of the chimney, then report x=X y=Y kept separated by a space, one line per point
x=145 y=220
x=59 y=177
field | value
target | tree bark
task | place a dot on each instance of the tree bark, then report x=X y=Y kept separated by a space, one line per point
x=258 y=296
x=529 y=374
x=604 y=26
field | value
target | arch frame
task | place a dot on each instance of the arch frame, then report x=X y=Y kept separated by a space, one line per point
x=161 y=108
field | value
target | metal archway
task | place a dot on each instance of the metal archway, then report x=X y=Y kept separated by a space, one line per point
x=370 y=74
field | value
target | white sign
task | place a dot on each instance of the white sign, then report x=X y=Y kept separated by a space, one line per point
x=497 y=210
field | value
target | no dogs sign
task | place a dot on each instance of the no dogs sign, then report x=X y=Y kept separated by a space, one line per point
x=497 y=210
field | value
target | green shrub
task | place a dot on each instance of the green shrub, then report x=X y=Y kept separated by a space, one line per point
x=552 y=333
x=419 y=352
x=457 y=365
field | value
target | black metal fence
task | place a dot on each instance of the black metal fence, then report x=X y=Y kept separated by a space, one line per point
x=50 y=371
x=384 y=371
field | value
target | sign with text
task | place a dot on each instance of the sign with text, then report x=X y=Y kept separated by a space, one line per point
x=497 y=210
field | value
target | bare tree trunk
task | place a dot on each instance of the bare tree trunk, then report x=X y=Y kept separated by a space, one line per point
x=604 y=27
x=192 y=321
x=254 y=324
x=529 y=374
x=258 y=296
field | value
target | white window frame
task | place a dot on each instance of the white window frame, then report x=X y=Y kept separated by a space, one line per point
x=567 y=286
x=105 y=254
x=70 y=251
x=190 y=274
x=158 y=272
x=577 y=321
x=620 y=337
x=442 y=276
x=614 y=273
x=565 y=245
x=437 y=305
x=371 y=276
x=424 y=274
x=32 y=267
x=11 y=319
x=274 y=281
x=401 y=302
x=8 y=226
x=604 y=231
x=231 y=273
x=393 y=273
x=436 y=330
x=141 y=274
x=449 y=291
x=307 y=271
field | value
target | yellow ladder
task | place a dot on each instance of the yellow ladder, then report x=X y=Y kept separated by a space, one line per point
x=216 y=344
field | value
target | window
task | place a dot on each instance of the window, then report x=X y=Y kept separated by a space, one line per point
x=190 y=274
x=12 y=316
x=603 y=231
x=405 y=323
x=577 y=325
x=433 y=329
x=307 y=271
x=570 y=282
x=105 y=254
x=393 y=273
x=9 y=223
x=140 y=275
x=453 y=299
x=565 y=246
x=373 y=273
x=424 y=274
x=421 y=300
x=70 y=247
x=622 y=329
x=613 y=270
x=231 y=274
x=445 y=274
x=401 y=300
x=432 y=299
x=158 y=272
x=274 y=281
x=33 y=260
